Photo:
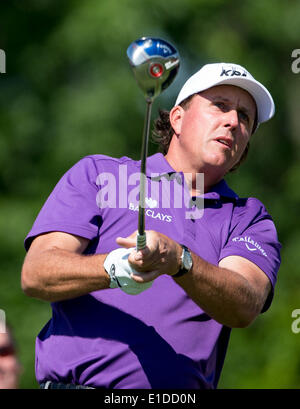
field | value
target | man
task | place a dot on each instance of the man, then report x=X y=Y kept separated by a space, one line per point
x=160 y=317
x=10 y=368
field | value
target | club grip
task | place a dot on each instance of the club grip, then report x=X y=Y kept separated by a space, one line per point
x=141 y=241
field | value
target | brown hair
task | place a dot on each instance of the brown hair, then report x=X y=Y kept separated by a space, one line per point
x=163 y=132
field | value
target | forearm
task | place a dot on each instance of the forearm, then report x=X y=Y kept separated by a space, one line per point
x=232 y=294
x=223 y=294
x=56 y=274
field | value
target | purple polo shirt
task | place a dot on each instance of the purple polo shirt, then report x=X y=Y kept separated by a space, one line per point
x=159 y=338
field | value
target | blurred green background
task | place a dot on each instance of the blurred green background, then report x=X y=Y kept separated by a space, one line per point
x=68 y=92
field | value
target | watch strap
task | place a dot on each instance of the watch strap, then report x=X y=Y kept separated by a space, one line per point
x=182 y=270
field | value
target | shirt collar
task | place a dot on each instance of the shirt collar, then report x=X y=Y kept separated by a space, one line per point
x=221 y=189
x=158 y=165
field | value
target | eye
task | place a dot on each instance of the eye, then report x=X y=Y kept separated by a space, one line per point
x=244 y=116
x=221 y=105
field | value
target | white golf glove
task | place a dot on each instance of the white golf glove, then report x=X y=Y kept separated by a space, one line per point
x=118 y=268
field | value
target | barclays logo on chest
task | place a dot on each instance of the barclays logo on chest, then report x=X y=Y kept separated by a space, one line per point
x=151 y=204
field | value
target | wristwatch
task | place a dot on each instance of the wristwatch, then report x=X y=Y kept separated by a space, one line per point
x=186 y=262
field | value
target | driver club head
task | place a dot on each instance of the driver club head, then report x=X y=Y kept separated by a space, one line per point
x=155 y=64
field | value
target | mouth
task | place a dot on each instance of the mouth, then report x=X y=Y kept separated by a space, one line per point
x=225 y=141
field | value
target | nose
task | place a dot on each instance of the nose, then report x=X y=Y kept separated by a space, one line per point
x=231 y=119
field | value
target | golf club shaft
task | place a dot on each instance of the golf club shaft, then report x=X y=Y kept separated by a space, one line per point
x=141 y=236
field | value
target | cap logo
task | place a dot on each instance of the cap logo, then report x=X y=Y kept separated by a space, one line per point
x=233 y=72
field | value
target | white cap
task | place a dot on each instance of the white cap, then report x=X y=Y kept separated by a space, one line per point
x=211 y=75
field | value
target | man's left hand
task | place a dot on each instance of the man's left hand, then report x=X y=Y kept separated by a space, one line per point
x=160 y=256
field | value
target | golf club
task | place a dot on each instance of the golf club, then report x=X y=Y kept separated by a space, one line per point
x=155 y=64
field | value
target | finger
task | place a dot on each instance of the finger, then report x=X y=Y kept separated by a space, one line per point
x=141 y=260
x=134 y=264
x=142 y=254
x=145 y=277
x=126 y=242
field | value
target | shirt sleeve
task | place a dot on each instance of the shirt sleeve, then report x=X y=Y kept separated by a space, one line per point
x=253 y=236
x=72 y=206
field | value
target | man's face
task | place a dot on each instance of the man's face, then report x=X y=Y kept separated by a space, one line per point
x=215 y=128
x=9 y=365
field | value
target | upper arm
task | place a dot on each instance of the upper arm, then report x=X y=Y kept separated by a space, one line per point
x=48 y=263
x=47 y=242
x=258 y=280
x=253 y=237
x=61 y=240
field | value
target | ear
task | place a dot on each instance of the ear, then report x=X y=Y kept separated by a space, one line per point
x=176 y=117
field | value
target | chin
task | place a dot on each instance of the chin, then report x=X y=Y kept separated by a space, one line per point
x=217 y=160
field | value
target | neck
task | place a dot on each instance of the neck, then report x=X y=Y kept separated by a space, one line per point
x=199 y=178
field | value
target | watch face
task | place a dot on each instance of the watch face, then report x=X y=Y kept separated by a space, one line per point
x=187 y=260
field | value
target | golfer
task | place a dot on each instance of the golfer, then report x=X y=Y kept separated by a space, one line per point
x=160 y=317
